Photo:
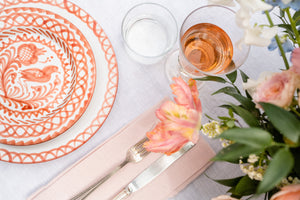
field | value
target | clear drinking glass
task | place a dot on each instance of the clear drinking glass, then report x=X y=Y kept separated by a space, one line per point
x=208 y=44
x=149 y=31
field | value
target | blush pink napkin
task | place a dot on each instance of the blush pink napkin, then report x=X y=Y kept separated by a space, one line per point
x=109 y=154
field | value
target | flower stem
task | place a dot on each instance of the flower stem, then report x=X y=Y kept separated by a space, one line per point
x=293 y=25
x=286 y=63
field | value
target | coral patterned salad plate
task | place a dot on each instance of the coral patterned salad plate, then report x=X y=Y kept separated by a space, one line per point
x=58 y=77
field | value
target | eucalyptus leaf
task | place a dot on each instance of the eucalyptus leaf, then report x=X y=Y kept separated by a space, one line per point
x=233 y=152
x=212 y=78
x=254 y=137
x=284 y=121
x=247 y=116
x=232 y=76
x=279 y=167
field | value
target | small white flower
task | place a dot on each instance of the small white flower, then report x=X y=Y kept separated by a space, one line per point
x=226 y=143
x=222 y=2
x=254 y=5
x=252 y=158
x=296 y=181
x=286 y=1
x=243 y=18
x=252 y=174
x=259 y=177
x=259 y=36
x=212 y=129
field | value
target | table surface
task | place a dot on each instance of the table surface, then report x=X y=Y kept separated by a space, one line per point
x=140 y=87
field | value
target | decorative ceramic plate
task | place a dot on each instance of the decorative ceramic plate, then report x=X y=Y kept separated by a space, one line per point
x=59 y=75
x=44 y=90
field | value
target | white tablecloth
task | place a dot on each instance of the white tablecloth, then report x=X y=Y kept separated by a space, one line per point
x=140 y=87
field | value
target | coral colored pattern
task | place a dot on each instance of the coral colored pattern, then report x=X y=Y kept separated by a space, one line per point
x=111 y=89
x=85 y=80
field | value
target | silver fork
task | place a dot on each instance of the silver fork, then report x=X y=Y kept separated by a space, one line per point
x=134 y=154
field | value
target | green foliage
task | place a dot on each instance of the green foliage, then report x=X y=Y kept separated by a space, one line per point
x=284 y=121
x=272 y=132
x=279 y=167
x=253 y=137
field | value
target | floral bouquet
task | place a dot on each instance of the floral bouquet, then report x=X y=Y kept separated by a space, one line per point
x=262 y=133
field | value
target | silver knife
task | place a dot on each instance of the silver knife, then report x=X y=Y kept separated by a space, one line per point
x=152 y=172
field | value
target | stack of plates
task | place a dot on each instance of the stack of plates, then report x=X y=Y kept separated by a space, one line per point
x=58 y=77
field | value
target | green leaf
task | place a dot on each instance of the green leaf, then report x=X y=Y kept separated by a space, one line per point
x=231 y=91
x=226 y=90
x=244 y=76
x=282 y=12
x=209 y=117
x=224 y=118
x=284 y=121
x=246 y=186
x=279 y=167
x=254 y=137
x=296 y=16
x=212 y=78
x=245 y=102
x=232 y=76
x=226 y=106
x=229 y=182
x=247 y=116
x=230 y=113
x=233 y=152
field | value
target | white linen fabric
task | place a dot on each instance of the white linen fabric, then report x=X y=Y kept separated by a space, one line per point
x=140 y=87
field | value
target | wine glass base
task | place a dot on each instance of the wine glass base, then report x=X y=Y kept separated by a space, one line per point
x=173 y=69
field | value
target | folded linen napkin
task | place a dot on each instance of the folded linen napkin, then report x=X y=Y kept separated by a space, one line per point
x=109 y=154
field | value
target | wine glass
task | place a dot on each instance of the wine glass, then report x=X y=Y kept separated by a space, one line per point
x=209 y=39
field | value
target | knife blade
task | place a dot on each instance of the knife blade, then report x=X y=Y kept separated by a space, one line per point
x=150 y=173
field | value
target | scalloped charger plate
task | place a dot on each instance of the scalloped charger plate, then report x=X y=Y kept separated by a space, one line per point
x=97 y=99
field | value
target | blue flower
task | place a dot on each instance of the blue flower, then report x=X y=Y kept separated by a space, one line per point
x=294 y=4
x=287 y=45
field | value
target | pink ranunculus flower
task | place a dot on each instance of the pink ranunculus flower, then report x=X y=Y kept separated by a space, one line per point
x=224 y=197
x=179 y=122
x=290 y=192
x=276 y=88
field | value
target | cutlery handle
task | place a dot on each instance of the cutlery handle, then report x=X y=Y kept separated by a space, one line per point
x=82 y=195
x=124 y=194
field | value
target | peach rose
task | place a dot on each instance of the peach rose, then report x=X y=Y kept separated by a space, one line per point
x=296 y=67
x=290 y=192
x=224 y=197
x=275 y=88
x=180 y=121
x=296 y=60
